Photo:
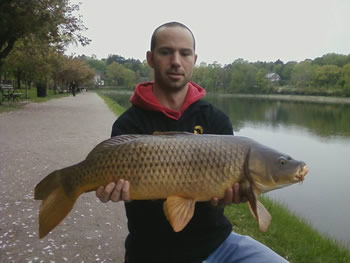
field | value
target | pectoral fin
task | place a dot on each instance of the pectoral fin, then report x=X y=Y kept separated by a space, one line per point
x=178 y=211
x=261 y=215
x=259 y=212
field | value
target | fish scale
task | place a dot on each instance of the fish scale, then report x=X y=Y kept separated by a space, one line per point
x=180 y=167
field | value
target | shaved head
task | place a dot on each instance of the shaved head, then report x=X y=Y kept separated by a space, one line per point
x=170 y=24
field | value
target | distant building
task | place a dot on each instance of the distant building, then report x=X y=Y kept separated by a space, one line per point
x=273 y=77
x=98 y=81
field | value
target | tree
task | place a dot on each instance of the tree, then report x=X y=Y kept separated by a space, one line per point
x=74 y=69
x=302 y=74
x=332 y=59
x=263 y=84
x=146 y=72
x=115 y=58
x=56 y=60
x=327 y=75
x=29 y=61
x=98 y=65
x=286 y=71
x=114 y=73
x=243 y=77
x=118 y=75
x=129 y=78
x=209 y=76
x=49 y=20
x=345 y=77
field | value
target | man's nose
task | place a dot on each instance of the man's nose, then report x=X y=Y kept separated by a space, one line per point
x=175 y=59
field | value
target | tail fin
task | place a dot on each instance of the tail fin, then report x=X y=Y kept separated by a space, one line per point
x=47 y=185
x=56 y=202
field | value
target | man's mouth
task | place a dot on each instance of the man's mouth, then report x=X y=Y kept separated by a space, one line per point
x=174 y=75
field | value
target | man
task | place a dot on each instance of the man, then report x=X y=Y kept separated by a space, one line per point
x=172 y=103
x=73 y=86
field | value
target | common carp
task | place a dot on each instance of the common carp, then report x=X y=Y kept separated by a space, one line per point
x=181 y=168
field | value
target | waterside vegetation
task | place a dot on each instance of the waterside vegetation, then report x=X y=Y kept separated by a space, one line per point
x=112 y=105
x=288 y=235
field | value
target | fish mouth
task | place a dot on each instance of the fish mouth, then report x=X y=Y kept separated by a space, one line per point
x=301 y=173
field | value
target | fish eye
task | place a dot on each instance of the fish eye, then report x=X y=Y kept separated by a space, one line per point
x=282 y=161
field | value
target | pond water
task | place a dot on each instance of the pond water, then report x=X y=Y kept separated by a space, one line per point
x=318 y=134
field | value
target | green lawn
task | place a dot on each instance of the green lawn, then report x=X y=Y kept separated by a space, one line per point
x=7 y=106
x=112 y=105
x=288 y=235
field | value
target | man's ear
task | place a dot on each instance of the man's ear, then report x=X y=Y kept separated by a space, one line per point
x=149 y=57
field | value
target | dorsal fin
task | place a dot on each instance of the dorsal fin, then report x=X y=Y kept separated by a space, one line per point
x=111 y=143
x=171 y=133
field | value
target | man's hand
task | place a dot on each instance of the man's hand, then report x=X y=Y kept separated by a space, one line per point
x=114 y=192
x=232 y=195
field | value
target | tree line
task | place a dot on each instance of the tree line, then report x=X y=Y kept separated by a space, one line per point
x=328 y=75
x=118 y=71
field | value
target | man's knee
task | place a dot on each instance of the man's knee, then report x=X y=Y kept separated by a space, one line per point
x=243 y=249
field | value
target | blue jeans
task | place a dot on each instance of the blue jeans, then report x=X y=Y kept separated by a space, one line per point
x=243 y=249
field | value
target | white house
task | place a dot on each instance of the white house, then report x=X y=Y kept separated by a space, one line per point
x=273 y=77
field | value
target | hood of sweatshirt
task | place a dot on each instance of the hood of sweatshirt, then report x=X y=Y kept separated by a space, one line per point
x=143 y=97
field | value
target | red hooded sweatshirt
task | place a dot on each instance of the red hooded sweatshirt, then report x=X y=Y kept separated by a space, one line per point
x=143 y=97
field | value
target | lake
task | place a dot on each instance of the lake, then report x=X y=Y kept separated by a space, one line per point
x=316 y=133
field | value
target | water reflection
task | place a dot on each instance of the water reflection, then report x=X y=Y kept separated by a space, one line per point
x=323 y=120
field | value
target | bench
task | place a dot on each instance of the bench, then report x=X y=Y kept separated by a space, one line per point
x=8 y=92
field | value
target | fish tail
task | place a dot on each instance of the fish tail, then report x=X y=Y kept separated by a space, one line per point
x=47 y=185
x=56 y=202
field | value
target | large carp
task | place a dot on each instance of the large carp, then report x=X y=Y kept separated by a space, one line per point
x=180 y=167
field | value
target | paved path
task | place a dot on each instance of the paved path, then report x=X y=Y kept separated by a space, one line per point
x=34 y=141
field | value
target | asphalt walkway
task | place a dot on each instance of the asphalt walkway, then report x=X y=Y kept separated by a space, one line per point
x=35 y=141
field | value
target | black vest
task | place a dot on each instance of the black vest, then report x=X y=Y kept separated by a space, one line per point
x=151 y=238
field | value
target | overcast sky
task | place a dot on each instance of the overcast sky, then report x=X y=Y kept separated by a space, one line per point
x=255 y=30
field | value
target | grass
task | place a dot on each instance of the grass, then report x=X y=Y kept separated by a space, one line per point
x=7 y=106
x=50 y=95
x=112 y=105
x=288 y=235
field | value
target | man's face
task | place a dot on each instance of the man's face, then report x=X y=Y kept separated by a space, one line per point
x=173 y=58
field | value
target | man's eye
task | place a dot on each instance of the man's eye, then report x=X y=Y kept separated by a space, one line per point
x=186 y=53
x=164 y=52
